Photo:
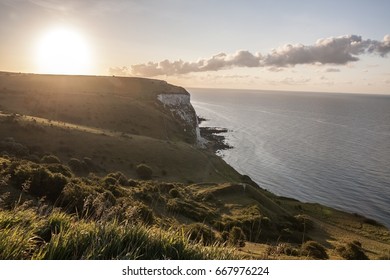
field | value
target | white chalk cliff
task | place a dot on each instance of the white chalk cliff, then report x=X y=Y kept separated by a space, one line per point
x=180 y=106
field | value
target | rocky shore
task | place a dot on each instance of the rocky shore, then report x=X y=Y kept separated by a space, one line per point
x=214 y=136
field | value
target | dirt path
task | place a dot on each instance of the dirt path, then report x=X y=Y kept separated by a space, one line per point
x=66 y=125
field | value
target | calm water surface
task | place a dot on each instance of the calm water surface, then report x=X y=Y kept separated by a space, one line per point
x=317 y=147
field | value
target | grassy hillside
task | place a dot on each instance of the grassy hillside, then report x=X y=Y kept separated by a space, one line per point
x=121 y=117
x=97 y=168
x=47 y=212
x=126 y=105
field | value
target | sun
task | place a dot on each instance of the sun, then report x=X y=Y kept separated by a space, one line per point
x=63 y=51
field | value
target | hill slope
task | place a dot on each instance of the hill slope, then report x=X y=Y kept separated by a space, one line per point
x=124 y=118
x=70 y=150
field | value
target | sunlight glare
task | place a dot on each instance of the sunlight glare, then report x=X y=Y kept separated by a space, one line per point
x=63 y=51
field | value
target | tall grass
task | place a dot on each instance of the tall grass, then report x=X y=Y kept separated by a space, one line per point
x=25 y=234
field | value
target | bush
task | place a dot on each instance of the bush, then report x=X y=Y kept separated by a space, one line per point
x=77 y=166
x=282 y=248
x=352 y=251
x=89 y=163
x=144 y=172
x=237 y=237
x=174 y=193
x=60 y=168
x=50 y=159
x=315 y=250
x=40 y=181
x=109 y=181
x=74 y=195
x=145 y=214
x=119 y=177
x=132 y=183
x=302 y=223
x=9 y=145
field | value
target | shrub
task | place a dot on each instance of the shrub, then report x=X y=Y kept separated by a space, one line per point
x=60 y=168
x=282 y=248
x=144 y=172
x=315 y=250
x=352 y=251
x=74 y=195
x=109 y=181
x=166 y=187
x=174 y=193
x=237 y=237
x=119 y=177
x=145 y=214
x=246 y=178
x=40 y=181
x=132 y=183
x=302 y=223
x=225 y=235
x=77 y=166
x=50 y=159
x=88 y=161
x=9 y=145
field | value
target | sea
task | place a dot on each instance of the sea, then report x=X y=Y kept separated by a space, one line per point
x=329 y=148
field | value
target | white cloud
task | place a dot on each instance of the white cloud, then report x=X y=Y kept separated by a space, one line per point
x=334 y=51
x=217 y=62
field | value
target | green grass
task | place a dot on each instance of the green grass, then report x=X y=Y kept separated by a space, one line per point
x=117 y=217
x=26 y=234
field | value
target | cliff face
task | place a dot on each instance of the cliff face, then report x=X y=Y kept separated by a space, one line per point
x=179 y=104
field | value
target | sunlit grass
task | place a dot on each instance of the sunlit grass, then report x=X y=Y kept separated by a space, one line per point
x=24 y=234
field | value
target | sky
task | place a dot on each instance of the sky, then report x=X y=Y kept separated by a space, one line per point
x=336 y=46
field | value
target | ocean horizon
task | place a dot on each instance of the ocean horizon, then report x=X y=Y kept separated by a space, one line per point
x=328 y=148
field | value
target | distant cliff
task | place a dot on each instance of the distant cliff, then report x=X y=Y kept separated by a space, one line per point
x=137 y=106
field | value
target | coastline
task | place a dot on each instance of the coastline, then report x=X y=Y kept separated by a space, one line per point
x=216 y=141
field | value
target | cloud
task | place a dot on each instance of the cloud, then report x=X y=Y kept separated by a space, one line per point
x=215 y=63
x=119 y=71
x=334 y=50
x=290 y=81
x=332 y=70
x=275 y=69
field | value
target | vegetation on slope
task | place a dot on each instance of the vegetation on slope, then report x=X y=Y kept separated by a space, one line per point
x=47 y=212
x=97 y=168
